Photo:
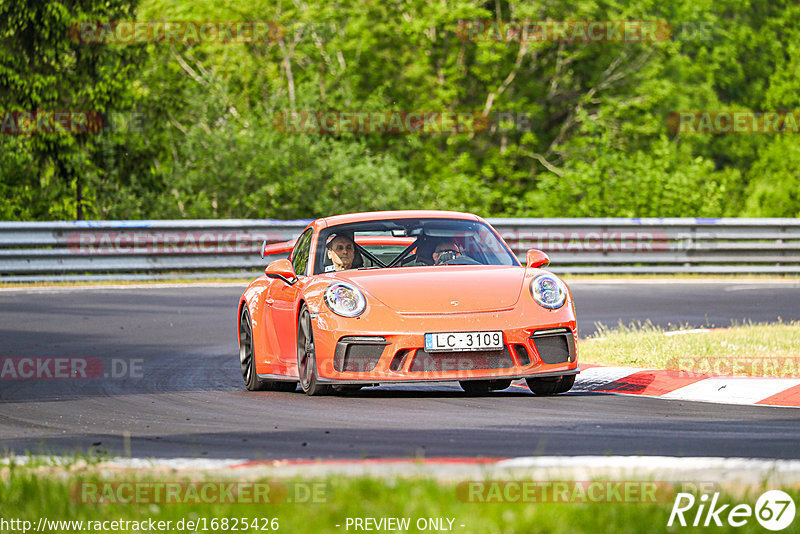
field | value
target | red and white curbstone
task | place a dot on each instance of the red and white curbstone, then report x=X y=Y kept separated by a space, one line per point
x=689 y=386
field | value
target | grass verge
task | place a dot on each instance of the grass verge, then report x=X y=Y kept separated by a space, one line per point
x=764 y=349
x=27 y=495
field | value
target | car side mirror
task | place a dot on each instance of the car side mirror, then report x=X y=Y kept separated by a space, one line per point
x=282 y=269
x=536 y=258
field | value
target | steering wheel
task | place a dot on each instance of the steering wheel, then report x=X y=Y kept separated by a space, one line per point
x=452 y=258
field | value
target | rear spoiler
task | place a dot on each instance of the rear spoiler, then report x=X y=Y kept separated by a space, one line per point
x=285 y=247
x=272 y=249
x=384 y=240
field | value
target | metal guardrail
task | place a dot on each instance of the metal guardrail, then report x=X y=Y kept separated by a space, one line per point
x=655 y=245
x=136 y=250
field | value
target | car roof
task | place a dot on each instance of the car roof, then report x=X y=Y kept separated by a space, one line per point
x=399 y=214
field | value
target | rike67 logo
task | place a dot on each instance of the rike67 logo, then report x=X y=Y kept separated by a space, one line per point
x=774 y=510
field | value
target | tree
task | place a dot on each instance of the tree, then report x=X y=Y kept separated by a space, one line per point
x=44 y=70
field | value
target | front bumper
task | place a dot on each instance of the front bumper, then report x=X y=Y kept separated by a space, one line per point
x=370 y=355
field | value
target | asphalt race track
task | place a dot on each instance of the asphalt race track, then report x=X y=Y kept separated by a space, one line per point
x=175 y=390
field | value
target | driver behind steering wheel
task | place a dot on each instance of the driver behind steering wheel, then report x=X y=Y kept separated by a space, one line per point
x=446 y=251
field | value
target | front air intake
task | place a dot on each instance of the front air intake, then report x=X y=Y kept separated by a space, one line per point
x=358 y=354
x=555 y=345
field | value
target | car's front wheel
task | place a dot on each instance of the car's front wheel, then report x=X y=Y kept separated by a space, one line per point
x=566 y=383
x=307 y=356
x=551 y=385
x=247 y=360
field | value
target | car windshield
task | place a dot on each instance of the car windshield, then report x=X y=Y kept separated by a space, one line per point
x=409 y=243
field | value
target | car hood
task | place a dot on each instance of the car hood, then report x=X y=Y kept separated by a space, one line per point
x=442 y=289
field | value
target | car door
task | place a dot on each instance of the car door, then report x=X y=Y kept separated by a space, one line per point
x=283 y=297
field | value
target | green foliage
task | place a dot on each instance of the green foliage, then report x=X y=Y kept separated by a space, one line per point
x=658 y=182
x=775 y=191
x=590 y=136
x=43 y=69
x=252 y=171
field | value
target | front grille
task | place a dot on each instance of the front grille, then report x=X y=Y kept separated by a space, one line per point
x=555 y=348
x=358 y=354
x=460 y=361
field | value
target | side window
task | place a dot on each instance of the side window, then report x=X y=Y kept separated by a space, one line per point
x=300 y=253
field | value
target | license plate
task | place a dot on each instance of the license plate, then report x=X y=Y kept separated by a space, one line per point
x=463 y=341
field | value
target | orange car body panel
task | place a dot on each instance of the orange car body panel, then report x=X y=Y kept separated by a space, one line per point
x=403 y=304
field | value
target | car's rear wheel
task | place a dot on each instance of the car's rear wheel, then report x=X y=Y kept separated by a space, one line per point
x=481 y=387
x=307 y=356
x=551 y=385
x=247 y=360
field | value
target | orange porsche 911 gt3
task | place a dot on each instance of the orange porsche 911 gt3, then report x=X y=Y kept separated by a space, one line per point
x=405 y=296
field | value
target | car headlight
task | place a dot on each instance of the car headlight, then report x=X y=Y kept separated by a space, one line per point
x=548 y=291
x=345 y=300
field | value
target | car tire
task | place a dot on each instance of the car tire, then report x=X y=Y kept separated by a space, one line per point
x=307 y=356
x=551 y=385
x=247 y=360
x=482 y=387
x=566 y=383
